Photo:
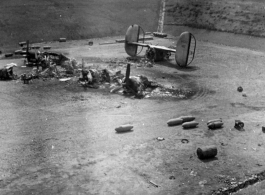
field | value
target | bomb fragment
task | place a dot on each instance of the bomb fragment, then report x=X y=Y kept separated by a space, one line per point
x=207 y=152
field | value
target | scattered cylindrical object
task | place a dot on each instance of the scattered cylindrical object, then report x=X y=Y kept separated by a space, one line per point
x=18 y=52
x=153 y=183
x=22 y=43
x=174 y=121
x=46 y=47
x=214 y=120
x=35 y=47
x=215 y=125
x=187 y=118
x=25 y=48
x=124 y=128
x=263 y=129
x=191 y=124
x=159 y=34
x=115 y=89
x=8 y=55
x=62 y=40
x=207 y=152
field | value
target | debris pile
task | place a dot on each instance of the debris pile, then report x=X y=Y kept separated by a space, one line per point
x=6 y=73
x=206 y=152
x=239 y=125
x=93 y=78
x=140 y=62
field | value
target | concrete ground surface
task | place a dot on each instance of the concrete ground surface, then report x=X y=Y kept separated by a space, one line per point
x=59 y=138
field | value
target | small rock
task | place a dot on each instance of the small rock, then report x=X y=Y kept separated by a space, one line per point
x=244 y=95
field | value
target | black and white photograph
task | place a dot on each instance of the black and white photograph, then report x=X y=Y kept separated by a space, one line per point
x=132 y=97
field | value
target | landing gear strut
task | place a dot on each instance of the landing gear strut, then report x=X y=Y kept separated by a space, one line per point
x=157 y=54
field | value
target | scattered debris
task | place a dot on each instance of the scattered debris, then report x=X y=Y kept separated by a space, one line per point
x=214 y=120
x=115 y=89
x=202 y=183
x=215 y=124
x=22 y=43
x=175 y=121
x=6 y=73
x=90 y=43
x=159 y=34
x=172 y=177
x=191 y=124
x=124 y=128
x=135 y=84
x=239 y=125
x=154 y=184
x=41 y=59
x=184 y=141
x=18 y=52
x=47 y=47
x=263 y=129
x=207 y=152
x=160 y=138
x=193 y=173
x=236 y=186
x=35 y=47
x=62 y=40
x=26 y=78
x=240 y=89
x=141 y=62
x=8 y=55
x=65 y=79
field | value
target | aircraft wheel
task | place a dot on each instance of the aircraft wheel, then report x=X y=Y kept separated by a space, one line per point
x=168 y=54
x=150 y=54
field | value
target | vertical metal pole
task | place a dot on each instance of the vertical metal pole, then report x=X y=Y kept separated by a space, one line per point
x=128 y=71
x=27 y=50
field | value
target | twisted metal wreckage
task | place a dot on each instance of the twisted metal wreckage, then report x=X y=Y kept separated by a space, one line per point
x=48 y=62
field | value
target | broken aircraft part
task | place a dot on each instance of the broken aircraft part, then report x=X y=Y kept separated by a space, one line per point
x=207 y=152
x=184 y=52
